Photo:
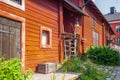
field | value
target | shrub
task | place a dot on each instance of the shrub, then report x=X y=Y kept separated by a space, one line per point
x=11 y=70
x=88 y=69
x=103 y=56
x=71 y=65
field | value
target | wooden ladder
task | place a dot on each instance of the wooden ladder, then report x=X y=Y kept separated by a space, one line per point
x=70 y=48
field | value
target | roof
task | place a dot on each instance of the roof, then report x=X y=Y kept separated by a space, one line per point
x=74 y=7
x=112 y=17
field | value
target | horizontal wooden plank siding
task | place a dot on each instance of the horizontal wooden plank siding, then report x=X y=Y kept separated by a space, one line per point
x=89 y=28
x=38 y=13
x=41 y=13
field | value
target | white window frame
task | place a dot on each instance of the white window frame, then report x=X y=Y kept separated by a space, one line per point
x=93 y=22
x=118 y=40
x=95 y=38
x=12 y=3
x=117 y=28
x=50 y=37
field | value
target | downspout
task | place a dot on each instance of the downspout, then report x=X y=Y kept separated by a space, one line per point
x=103 y=33
x=83 y=34
x=83 y=8
x=60 y=30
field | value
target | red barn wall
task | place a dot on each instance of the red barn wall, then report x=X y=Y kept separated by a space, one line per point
x=38 y=13
x=89 y=28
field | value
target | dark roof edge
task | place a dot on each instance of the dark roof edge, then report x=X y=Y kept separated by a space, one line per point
x=99 y=11
x=114 y=20
x=75 y=7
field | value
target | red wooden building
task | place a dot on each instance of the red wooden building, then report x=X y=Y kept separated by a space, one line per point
x=96 y=30
x=38 y=31
x=114 y=20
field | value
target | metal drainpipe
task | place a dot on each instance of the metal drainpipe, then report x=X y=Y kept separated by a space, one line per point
x=83 y=8
x=83 y=34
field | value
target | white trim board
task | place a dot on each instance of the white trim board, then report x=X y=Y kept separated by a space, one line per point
x=114 y=22
x=9 y=2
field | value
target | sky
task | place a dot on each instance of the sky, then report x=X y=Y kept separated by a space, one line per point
x=104 y=5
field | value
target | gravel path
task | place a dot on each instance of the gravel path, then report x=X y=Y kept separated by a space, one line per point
x=117 y=77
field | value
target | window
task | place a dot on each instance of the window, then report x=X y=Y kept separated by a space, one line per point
x=118 y=40
x=93 y=22
x=95 y=38
x=20 y=4
x=17 y=1
x=46 y=37
x=117 y=28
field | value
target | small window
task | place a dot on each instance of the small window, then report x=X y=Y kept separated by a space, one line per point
x=95 y=38
x=93 y=22
x=46 y=37
x=118 y=40
x=17 y=1
x=20 y=4
x=117 y=28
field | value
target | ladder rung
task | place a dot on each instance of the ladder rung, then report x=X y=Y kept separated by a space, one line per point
x=72 y=51
x=73 y=47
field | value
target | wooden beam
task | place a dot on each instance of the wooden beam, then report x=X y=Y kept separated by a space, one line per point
x=61 y=51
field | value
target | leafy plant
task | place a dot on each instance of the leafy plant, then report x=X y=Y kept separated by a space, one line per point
x=11 y=70
x=71 y=65
x=89 y=70
x=28 y=74
x=103 y=56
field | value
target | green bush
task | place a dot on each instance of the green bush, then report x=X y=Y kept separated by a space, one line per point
x=103 y=56
x=71 y=65
x=11 y=70
x=88 y=69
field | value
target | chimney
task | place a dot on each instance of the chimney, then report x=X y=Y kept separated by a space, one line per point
x=112 y=10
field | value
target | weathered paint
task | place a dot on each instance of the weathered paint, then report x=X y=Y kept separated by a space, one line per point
x=22 y=20
x=37 y=14
x=51 y=14
x=89 y=28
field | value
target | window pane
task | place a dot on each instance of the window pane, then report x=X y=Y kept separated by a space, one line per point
x=117 y=28
x=45 y=37
x=95 y=38
x=93 y=22
x=118 y=40
x=17 y=1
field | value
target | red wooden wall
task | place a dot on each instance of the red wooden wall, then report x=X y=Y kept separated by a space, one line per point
x=89 y=28
x=38 y=13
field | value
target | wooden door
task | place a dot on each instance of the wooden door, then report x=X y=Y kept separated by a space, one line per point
x=9 y=38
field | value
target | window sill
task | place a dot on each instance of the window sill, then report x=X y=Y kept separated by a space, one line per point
x=46 y=46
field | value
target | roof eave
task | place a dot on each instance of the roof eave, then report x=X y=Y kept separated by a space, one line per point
x=75 y=7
